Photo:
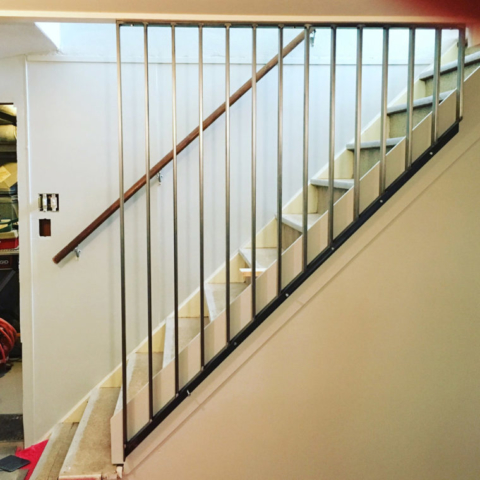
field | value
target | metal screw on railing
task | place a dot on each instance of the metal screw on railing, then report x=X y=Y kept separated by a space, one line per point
x=77 y=252
x=160 y=178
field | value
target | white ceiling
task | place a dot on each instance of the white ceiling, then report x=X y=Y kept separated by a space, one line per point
x=23 y=38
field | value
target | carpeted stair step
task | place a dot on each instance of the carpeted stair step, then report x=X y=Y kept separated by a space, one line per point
x=263 y=259
x=89 y=456
x=188 y=329
x=215 y=296
x=370 y=153
x=397 y=114
x=51 y=461
x=137 y=374
x=448 y=74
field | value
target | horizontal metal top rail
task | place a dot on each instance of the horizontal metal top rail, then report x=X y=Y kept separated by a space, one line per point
x=270 y=24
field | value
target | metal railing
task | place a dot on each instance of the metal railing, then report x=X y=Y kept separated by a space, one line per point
x=334 y=241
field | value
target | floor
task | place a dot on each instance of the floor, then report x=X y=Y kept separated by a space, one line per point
x=6 y=449
x=11 y=393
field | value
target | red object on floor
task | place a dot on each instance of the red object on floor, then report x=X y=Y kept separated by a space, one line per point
x=32 y=454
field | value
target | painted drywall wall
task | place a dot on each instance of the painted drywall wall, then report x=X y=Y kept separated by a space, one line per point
x=375 y=375
x=73 y=152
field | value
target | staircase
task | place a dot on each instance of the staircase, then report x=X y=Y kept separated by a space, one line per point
x=90 y=446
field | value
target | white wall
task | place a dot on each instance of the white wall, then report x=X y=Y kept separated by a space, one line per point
x=74 y=152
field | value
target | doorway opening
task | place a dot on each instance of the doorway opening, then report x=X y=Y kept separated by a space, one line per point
x=11 y=397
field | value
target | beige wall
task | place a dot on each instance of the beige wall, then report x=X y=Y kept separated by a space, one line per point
x=376 y=376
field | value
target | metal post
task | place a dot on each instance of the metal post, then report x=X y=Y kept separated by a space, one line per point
x=227 y=179
x=331 y=146
x=280 y=160
x=122 y=241
x=175 y=209
x=254 y=170
x=306 y=101
x=201 y=200
x=149 y=230
x=436 y=83
x=460 y=72
x=383 y=115
x=358 y=126
x=410 y=88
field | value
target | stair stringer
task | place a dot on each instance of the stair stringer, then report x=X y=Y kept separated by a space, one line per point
x=266 y=282
x=469 y=134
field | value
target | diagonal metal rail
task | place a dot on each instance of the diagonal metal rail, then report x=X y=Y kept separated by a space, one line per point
x=192 y=136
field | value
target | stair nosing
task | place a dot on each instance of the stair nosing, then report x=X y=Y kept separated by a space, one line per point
x=340 y=183
x=299 y=227
x=419 y=103
x=391 y=142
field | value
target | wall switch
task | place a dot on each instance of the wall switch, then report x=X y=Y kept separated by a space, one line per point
x=49 y=202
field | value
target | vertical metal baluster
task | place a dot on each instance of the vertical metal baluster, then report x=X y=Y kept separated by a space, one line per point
x=175 y=211
x=280 y=160
x=383 y=115
x=227 y=179
x=410 y=100
x=201 y=200
x=254 y=171
x=306 y=92
x=122 y=241
x=331 y=146
x=148 y=221
x=358 y=126
x=436 y=83
x=460 y=72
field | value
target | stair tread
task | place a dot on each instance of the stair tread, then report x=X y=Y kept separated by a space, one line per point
x=343 y=183
x=451 y=66
x=295 y=220
x=51 y=461
x=137 y=374
x=188 y=329
x=263 y=259
x=90 y=452
x=215 y=296
x=420 y=102
x=391 y=142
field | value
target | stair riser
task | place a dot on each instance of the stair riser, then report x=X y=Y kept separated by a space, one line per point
x=369 y=157
x=289 y=235
x=398 y=121
x=323 y=198
x=448 y=81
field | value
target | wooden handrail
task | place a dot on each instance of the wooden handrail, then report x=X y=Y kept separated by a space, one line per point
x=70 y=247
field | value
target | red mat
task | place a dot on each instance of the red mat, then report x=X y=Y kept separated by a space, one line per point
x=32 y=454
